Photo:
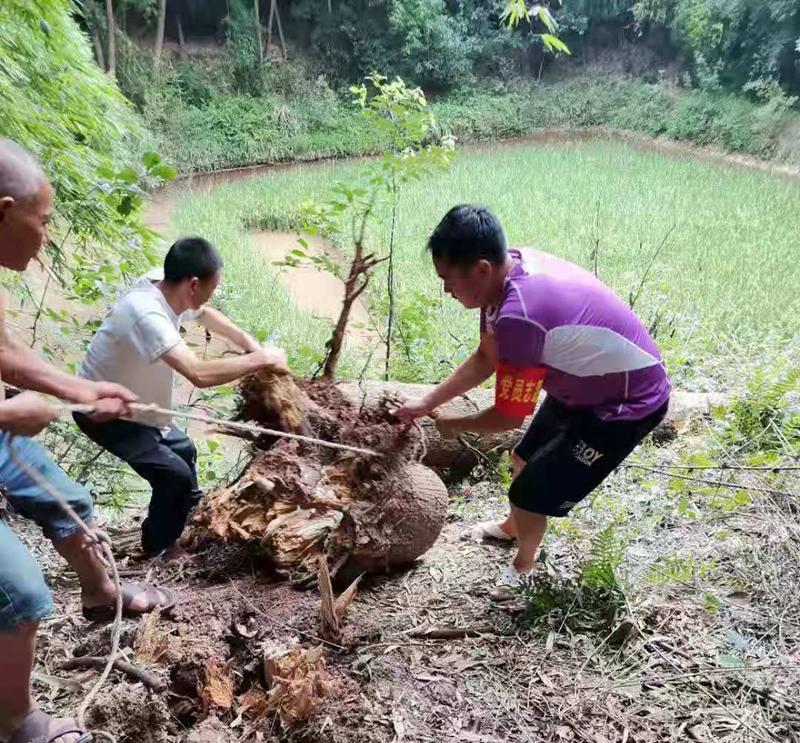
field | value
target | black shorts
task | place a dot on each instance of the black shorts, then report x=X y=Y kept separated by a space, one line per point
x=569 y=453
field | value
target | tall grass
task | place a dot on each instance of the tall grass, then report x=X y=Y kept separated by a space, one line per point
x=722 y=292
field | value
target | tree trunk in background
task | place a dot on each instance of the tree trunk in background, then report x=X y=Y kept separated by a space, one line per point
x=111 y=68
x=452 y=461
x=269 y=24
x=258 y=32
x=180 y=36
x=98 y=48
x=280 y=27
x=162 y=20
x=275 y=16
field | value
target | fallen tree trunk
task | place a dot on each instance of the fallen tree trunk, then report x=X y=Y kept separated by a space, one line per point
x=452 y=460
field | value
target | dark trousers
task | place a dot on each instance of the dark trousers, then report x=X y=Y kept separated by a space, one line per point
x=167 y=461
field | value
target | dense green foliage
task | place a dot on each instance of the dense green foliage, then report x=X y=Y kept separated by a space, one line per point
x=59 y=105
x=239 y=103
x=722 y=120
x=736 y=44
x=202 y=121
x=763 y=421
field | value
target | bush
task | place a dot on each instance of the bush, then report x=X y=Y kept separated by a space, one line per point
x=203 y=119
x=191 y=85
x=62 y=107
x=352 y=42
x=764 y=421
x=435 y=48
x=719 y=119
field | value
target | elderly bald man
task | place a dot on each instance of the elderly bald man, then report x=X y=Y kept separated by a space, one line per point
x=26 y=203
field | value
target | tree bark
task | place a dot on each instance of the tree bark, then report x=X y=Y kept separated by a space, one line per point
x=295 y=519
x=98 y=48
x=180 y=36
x=111 y=68
x=162 y=20
x=258 y=31
x=390 y=284
x=280 y=27
x=269 y=24
x=354 y=286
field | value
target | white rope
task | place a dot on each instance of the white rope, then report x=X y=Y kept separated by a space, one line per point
x=101 y=540
x=219 y=422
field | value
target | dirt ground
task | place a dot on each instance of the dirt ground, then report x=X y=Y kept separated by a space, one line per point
x=702 y=643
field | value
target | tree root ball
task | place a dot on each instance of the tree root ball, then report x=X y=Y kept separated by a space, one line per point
x=411 y=519
x=296 y=502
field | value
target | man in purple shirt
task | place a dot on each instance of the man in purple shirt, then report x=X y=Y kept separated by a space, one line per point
x=545 y=324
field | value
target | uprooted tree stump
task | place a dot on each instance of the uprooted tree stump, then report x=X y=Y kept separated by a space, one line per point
x=296 y=503
x=453 y=461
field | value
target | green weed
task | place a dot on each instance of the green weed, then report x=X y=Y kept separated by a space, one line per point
x=589 y=601
x=762 y=421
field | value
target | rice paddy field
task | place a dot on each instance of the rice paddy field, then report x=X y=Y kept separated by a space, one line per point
x=721 y=243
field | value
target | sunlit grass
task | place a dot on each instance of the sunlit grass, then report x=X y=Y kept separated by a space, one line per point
x=726 y=281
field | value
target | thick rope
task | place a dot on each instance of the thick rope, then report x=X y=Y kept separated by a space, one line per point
x=221 y=423
x=101 y=540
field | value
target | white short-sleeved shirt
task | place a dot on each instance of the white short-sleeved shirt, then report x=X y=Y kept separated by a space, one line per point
x=127 y=349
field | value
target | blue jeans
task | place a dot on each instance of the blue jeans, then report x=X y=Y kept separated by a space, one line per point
x=24 y=596
x=166 y=460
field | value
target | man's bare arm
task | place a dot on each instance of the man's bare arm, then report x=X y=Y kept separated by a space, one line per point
x=216 y=322
x=490 y=420
x=475 y=370
x=202 y=373
x=23 y=367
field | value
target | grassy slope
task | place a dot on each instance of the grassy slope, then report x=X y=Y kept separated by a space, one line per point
x=306 y=122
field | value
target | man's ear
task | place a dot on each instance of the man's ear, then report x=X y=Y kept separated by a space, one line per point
x=483 y=267
x=6 y=203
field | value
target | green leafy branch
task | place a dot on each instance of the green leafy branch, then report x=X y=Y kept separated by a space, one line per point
x=517 y=11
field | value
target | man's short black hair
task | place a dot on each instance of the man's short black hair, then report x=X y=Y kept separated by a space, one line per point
x=191 y=256
x=467 y=234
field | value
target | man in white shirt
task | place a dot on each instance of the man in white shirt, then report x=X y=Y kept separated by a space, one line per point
x=139 y=345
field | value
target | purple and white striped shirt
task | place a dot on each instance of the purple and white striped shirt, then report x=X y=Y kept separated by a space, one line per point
x=596 y=352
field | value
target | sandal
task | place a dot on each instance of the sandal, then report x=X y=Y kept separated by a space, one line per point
x=487 y=530
x=39 y=727
x=157 y=597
